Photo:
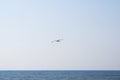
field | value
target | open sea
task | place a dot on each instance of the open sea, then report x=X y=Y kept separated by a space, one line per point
x=59 y=75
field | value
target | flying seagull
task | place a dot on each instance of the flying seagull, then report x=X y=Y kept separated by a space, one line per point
x=58 y=40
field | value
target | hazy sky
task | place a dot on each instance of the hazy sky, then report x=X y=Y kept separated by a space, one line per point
x=90 y=29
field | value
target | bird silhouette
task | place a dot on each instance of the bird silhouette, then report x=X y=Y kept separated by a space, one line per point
x=58 y=40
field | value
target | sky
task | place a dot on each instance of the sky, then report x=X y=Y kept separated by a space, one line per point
x=90 y=29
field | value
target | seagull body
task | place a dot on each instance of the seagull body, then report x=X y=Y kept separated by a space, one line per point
x=58 y=40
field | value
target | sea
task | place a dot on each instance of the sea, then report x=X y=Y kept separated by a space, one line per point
x=60 y=75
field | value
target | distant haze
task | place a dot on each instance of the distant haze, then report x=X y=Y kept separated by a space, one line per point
x=90 y=29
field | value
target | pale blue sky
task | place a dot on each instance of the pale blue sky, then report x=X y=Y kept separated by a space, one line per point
x=90 y=29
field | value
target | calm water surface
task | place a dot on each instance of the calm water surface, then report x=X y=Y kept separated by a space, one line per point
x=59 y=75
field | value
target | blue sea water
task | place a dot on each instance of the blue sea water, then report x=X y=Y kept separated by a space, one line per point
x=60 y=75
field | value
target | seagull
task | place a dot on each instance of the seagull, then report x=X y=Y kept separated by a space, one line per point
x=58 y=40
